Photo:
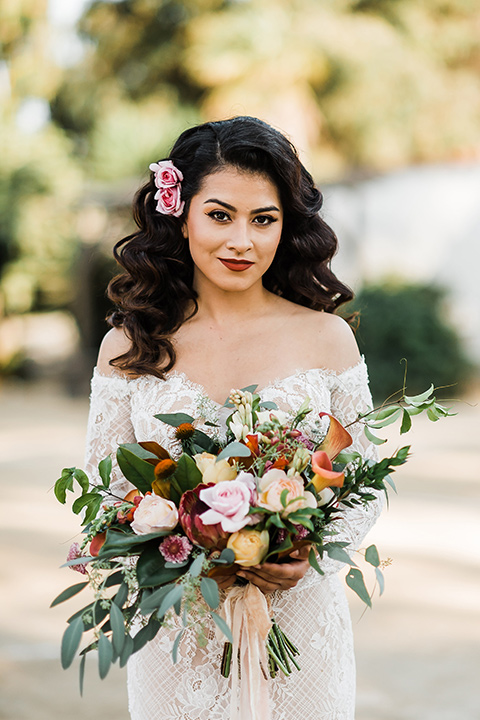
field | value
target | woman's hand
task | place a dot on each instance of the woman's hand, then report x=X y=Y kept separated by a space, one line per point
x=224 y=577
x=278 y=576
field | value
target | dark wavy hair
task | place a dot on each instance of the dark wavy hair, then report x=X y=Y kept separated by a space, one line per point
x=154 y=295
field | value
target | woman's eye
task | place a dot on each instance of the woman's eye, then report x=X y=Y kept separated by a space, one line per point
x=219 y=215
x=264 y=220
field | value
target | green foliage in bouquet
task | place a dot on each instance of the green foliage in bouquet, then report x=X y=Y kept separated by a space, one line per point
x=263 y=491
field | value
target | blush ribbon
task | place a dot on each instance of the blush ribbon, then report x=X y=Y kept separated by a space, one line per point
x=246 y=611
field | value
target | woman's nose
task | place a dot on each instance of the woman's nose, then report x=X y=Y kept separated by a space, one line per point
x=239 y=237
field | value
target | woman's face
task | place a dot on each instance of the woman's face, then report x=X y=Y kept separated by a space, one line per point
x=233 y=227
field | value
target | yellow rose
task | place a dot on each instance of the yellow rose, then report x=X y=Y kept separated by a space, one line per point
x=212 y=471
x=249 y=546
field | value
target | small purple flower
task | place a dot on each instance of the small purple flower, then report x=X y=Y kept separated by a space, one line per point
x=300 y=533
x=175 y=548
x=73 y=554
x=306 y=442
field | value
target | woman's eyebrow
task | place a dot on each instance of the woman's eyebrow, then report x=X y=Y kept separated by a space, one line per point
x=269 y=208
x=220 y=202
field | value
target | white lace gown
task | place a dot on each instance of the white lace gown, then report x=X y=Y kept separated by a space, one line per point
x=314 y=614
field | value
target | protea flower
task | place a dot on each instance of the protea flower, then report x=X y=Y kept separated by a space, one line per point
x=189 y=511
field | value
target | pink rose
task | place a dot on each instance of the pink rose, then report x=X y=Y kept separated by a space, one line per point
x=229 y=503
x=274 y=482
x=169 y=201
x=166 y=174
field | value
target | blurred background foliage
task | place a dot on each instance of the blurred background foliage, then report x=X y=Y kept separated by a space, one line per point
x=362 y=86
x=402 y=331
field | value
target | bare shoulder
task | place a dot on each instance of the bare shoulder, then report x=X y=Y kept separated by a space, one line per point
x=114 y=343
x=331 y=339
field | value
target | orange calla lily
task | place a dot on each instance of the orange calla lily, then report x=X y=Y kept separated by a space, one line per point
x=281 y=463
x=324 y=475
x=130 y=496
x=336 y=439
x=251 y=441
x=97 y=543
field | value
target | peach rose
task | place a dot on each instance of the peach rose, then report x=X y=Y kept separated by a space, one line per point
x=154 y=514
x=250 y=546
x=213 y=471
x=274 y=482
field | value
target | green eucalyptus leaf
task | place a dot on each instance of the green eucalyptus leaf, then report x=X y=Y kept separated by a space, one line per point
x=355 y=581
x=380 y=580
x=121 y=595
x=68 y=593
x=118 y=628
x=105 y=655
x=338 y=553
x=78 y=561
x=127 y=650
x=222 y=625
x=196 y=566
x=371 y=556
x=146 y=634
x=210 y=592
x=71 y=641
x=234 y=449
x=227 y=557
x=174 y=419
x=268 y=405
x=82 y=673
x=154 y=600
x=313 y=560
x=173 y=596
x=176 y=644
x=105 y=470
x=114 y=579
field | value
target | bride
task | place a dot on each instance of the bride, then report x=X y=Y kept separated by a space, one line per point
x=227 y=283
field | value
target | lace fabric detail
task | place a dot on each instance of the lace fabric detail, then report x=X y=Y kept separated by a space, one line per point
x=314 y=614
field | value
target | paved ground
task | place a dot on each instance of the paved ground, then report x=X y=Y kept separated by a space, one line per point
x=418 y=650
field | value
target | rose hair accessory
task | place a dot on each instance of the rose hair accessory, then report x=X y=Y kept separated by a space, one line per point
x=168 y=180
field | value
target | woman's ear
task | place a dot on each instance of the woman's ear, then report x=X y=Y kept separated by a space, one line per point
x=185 y=230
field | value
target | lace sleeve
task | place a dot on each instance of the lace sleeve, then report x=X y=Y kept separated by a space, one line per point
x=350 y=395
x=109 y=424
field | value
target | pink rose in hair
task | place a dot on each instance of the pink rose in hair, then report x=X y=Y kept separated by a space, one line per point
x=166 y=174
x=169 y=201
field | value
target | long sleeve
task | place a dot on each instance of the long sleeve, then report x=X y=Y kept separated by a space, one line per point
x=350 y=395
x=109 y=425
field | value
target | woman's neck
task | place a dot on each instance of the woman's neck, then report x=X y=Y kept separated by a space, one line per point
x=221 y=308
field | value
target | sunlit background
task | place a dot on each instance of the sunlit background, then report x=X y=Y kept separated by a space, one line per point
x=382 y=99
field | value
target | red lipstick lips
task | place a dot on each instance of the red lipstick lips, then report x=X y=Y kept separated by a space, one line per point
x=236 y=265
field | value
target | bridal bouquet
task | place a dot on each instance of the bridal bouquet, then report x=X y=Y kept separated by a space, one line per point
x=220 y=504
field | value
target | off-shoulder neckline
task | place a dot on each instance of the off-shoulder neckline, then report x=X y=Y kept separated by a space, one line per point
x=326 y=372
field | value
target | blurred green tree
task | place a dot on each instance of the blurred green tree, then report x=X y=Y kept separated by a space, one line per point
x=39 y=180
x=409 y=323
x=360 y=84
